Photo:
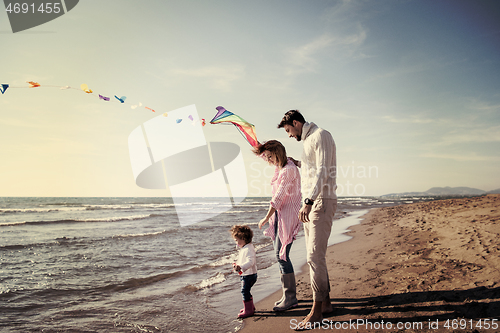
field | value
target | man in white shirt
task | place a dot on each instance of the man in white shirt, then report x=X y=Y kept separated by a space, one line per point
x=319 y=183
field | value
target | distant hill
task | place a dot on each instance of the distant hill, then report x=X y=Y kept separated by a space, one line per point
x=497 y=191
x=454 y=191
x=444 y=191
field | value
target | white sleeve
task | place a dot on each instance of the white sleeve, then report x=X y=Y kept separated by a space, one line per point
x=247 y=259
x=325 y=149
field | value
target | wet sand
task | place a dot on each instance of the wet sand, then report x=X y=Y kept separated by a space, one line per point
x=423 y=267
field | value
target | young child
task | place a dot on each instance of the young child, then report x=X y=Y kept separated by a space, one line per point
x=246 y=266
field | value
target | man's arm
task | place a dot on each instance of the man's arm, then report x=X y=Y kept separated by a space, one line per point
x=324 y=154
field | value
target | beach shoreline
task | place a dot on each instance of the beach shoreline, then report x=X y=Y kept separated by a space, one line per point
x=427 y=267
x=268 y=281
x=128 y=263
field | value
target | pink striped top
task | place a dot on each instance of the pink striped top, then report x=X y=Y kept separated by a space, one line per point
x=287 y=202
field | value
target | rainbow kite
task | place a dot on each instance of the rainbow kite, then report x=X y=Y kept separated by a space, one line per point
x=245 y=128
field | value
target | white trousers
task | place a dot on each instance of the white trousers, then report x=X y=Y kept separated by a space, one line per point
x=317 y=231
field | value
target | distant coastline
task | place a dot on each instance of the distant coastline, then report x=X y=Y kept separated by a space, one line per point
x=444 y=192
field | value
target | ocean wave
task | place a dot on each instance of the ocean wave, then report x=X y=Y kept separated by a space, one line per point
x=104 y=219
x=108 y=207
x=16 y=246
x=163 y=205
x=64 y=203
x=57 y=241
x=253 y=223
x=147 y=234
x=130 y=206
x=6 y=211
x=355 y=199
x=200 y=209
x=229 y=259
x=114 y=218
x=253 y=204
x=161 y=215
x=9 y=224
x=206 y=203
x=65 y=241
x=261 y=246
x=132 y=283
x=207 y=283
x=6 y=293
x=242 y=211
x=136 y=282
x=64 y=207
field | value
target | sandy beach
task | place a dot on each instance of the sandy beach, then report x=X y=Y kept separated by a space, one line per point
x=423 y=267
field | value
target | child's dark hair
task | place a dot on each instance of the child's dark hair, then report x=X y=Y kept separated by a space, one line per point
x=290 y=116
x=242 y=232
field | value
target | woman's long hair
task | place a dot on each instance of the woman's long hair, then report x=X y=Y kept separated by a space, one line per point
x=274 y=147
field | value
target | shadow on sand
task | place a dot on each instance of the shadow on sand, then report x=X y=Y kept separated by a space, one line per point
x=477 y=303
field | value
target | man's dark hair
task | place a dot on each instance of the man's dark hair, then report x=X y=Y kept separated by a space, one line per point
x=290 y=116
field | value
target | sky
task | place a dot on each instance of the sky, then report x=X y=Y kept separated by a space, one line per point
x=410 y=90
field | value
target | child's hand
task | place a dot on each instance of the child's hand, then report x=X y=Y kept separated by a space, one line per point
x=237 y=268
x=262 y=222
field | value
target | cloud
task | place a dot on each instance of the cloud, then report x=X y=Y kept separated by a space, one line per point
x=482 y=135
x=459 y=133
x=19 y=122
x=301 y=59
x=222 y=78
x=461 y=157
x=304 y=58
x=412 y=120
x=483 y=106
x=409 y=63
x=341 y=41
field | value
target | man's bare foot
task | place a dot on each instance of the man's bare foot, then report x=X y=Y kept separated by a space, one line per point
x=313 y=319
x=310 y=322
x=326 y=307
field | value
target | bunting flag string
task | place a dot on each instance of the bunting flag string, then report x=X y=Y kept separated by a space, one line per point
x=33 y=84
x=223 y=116
x=83 y=87
x=4 y=87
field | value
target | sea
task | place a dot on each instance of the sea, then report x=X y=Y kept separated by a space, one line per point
x=126 y=264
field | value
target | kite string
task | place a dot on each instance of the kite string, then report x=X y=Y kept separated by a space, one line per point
x=90 y=92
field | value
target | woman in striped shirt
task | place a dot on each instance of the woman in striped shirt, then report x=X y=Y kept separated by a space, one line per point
x=283 y=215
